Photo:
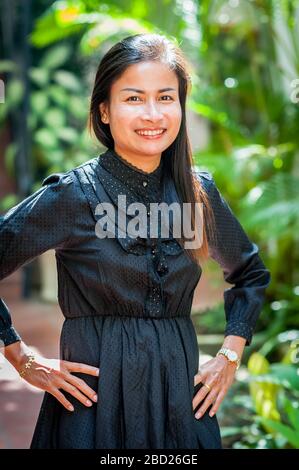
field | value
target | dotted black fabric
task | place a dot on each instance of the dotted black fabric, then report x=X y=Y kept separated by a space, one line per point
x=127 y=305
x=242 y=266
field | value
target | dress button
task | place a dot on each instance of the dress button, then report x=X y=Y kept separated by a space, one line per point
x=144 y=183
x=154 y=251
x=149 y=212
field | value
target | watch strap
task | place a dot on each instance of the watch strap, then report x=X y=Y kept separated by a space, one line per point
x=225 y=351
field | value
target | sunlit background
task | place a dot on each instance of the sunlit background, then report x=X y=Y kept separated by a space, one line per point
x=243 y=120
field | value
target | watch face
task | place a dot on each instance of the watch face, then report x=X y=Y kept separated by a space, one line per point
x=232 y=355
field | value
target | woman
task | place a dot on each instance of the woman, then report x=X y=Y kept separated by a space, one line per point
x=128 y=343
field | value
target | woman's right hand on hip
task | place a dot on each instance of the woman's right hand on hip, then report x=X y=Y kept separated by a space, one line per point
x=54 y=375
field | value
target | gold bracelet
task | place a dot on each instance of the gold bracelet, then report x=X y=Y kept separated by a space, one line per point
x=27 y=365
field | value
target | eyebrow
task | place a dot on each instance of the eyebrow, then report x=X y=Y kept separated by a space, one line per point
x=142 y=91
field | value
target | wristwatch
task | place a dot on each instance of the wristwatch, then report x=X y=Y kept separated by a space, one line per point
x=231 y=355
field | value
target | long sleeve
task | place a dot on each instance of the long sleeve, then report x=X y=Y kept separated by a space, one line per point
x=242 y=266
x=38 y=223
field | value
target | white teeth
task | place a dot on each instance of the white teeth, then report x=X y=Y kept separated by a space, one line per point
x=150 y=132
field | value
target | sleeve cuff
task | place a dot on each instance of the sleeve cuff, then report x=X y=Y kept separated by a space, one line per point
x=9 y=336
x=242 y=329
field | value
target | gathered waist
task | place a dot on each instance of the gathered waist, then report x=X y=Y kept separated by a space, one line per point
x=126 y=315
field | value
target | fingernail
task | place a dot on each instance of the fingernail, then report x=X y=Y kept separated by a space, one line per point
x=98 y=372
x=198 y=415
x=95 y=398
x=212 y=413
x=71 y=408
x=88 y=402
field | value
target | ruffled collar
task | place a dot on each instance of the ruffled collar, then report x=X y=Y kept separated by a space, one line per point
x=113 y=176
x=146 y=185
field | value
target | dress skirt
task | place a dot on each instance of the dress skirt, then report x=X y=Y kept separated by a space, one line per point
x=145 y=387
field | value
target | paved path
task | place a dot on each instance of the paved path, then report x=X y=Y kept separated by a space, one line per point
x=39 y=324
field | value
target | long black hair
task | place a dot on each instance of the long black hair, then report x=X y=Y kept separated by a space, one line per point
x=178 y=156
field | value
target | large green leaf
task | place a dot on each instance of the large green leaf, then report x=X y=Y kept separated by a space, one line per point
x=291 y=435
x=68 y=134
x=56 y=56
x=277 y=207
x=54 y=118
x=292 y=411
x=46 y=138
x=48 y=30
x=285 y=375
x=67 y=80
x=78 y=106
x=58 y=95
x=40 y=76
x=8 y=66
x=39 y=102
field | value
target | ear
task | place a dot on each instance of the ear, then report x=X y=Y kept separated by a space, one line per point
x=104 y=113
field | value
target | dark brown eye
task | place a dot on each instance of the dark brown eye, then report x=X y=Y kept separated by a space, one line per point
x=130 y=98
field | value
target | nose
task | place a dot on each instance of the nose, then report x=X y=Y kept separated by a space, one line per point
x=152 y=112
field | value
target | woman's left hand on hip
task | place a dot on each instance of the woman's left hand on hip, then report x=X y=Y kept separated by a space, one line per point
x=216 y=375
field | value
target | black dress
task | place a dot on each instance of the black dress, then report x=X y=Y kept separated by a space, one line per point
x=127 y=306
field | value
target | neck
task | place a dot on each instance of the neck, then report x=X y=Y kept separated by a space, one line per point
x=147 y=164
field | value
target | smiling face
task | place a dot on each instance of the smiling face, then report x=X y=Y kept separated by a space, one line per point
x=144 y=119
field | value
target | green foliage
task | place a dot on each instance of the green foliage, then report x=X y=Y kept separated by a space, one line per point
x=269 y=415
x=248 y=63
x=57 y=118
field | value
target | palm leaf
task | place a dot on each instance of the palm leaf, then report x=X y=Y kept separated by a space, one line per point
x=277 y=208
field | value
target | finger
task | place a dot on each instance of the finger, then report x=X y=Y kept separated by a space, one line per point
x=216 y=405
x=81 y=385
x=76 y=393
x=208 y=401
x=198 y=378
x=61 y=398
x=83 y=368
x=201 y=394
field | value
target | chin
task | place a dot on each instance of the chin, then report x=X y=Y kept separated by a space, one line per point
x=150 y=151
x=153 y=147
